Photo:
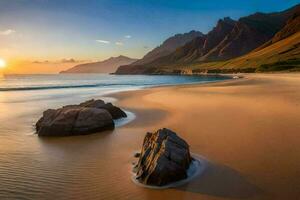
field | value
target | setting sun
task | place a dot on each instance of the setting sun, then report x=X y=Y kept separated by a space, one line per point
x=2 y=63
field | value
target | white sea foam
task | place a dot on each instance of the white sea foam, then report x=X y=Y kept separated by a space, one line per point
x=122 y=121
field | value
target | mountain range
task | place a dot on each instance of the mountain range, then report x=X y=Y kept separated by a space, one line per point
x=106 y=66
x=252 y=42
x=168 y=46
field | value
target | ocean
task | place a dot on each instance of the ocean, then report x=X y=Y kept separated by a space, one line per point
x=80 y=167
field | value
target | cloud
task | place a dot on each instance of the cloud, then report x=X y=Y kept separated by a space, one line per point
x=7 y=32
x=71 y=60
x=103 y=41
x=127 y=36
x=40 y=62
x=64 y=60
x=119 y=43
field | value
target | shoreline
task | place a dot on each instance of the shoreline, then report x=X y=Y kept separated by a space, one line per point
x=237 y=124
x=132 y=87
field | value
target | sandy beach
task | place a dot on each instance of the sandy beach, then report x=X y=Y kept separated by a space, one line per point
x=247 y=129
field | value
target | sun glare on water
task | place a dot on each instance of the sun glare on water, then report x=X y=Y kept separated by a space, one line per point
x=2 y=63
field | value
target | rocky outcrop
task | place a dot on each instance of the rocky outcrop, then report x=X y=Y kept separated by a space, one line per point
x=200 y=46
x=166 y=48
x=227 y=40
x=292 y=26
x=73 y=121
x=88 y=117
x=115 y=112
x=164 y=158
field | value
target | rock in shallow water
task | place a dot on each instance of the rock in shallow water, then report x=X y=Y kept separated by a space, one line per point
x=115 y=112
x=88 y=117
x=164 y=158
x=73 y=121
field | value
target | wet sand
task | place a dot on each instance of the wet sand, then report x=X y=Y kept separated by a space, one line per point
x=247 y=129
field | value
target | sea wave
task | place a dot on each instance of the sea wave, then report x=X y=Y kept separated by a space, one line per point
x=69 y=86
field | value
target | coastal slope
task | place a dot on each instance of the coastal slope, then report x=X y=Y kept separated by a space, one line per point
x=282 y=52
x=106 y=66
x=281 y=55
x=229 y=40
x=168 y=46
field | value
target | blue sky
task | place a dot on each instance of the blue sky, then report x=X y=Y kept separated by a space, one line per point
x=90 y=29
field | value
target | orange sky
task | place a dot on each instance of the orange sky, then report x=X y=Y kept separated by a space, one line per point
x=28 y=67
x=96 y=30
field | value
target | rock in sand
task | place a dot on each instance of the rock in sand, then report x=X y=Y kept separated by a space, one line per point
x=88 y=117
x=164 y=159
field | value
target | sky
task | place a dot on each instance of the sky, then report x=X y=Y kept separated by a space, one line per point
x=59 y=33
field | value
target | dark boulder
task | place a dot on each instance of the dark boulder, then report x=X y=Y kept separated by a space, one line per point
x=164 y=158
x=90 y=120
x=73 y=121
x=115 y=112
x=93 y=103
x=87 y=117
